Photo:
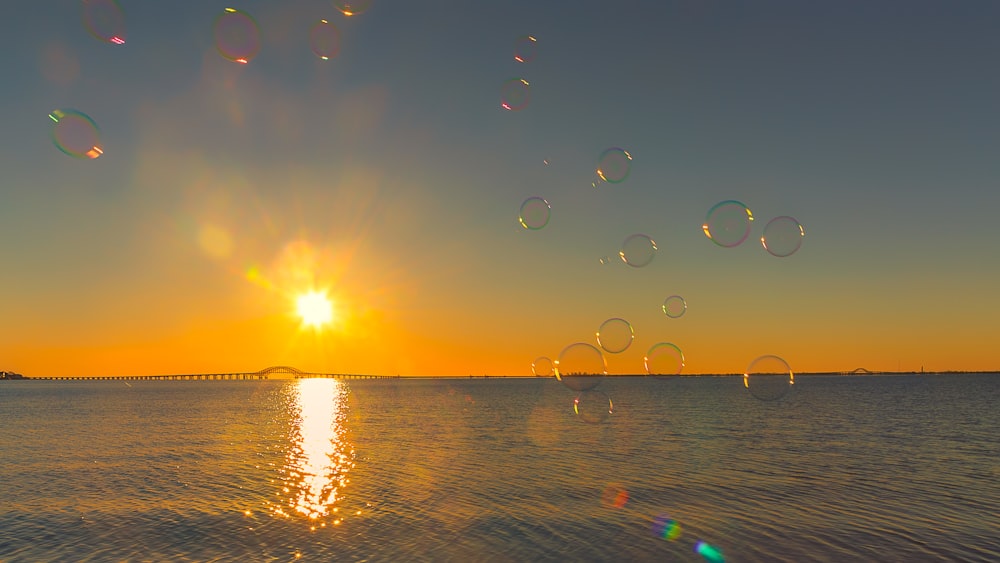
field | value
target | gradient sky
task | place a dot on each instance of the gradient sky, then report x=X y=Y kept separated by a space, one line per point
x=391 y=177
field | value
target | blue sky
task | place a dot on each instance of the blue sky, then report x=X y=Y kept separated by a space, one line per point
x=874 y=124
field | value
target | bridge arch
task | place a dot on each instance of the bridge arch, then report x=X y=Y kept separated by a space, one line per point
x=861 y=371
x=281 y=370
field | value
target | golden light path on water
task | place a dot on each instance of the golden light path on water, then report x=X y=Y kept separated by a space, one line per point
x=320 y=456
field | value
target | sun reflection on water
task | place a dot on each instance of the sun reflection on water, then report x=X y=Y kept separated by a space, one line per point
x=320 y=456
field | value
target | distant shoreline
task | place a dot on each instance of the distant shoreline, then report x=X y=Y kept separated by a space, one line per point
x=210 y=377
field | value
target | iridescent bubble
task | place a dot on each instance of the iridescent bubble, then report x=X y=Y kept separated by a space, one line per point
x=728 y=223
x=534 y=213
x=615 y=335
x=76 y=134
x=666 y=527
x=710 y=553
x=614 y=165
x=105 y=20
x=664 y=358
x=768 y=378
x=524 y=49
x=615 y=495
x=352 y=7
x=515 y=94
x=542 y=367
x=237 y=36
x=674 y=306
x=581 y=366
x=605 y=260
x=637 y=250
x=324 y=40
x=593 y=406
x=782 y=236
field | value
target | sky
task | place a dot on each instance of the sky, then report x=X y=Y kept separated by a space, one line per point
x=389 y=178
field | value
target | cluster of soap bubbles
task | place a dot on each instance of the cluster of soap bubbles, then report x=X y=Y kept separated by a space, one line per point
x=728 y=224
x=236 y=37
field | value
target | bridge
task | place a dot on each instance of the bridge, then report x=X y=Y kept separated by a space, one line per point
x=273 y=372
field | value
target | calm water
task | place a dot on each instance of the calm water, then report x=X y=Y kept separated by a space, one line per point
x=843 y=469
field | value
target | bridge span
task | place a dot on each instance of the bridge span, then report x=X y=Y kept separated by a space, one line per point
x=274 y=372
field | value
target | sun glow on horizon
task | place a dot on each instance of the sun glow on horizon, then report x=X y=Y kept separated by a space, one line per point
x=315 y=309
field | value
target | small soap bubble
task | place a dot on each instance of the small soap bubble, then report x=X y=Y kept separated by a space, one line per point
x=105 y=20
x=666 y=527
x=237 y=37
x=515 y=94
x=615 y=335
x=664 y=358
x=614 y=165
x=674 y=306
x=581 y=366
x=542 y=367
x=534 y=213
x=728 y=223
x=324 y=40
x=605 y=260
x=352 y=7
x=615 y=495
x=768 y=378
x=710 y=553
x=782 y=236
x=593 y=406
x=524 y=48
x=637 y=250
x=76 y=134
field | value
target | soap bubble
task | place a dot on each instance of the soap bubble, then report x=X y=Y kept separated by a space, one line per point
x=637 y=250
x=105 y=20
x=324 y=40
x=615 y=335
x=614 y=165
x=524 y=49
x=237 y=36
x=542 y=367
x=515 y=94
x=768 y=378
x=534 y=213
x=674 y=306
x=664 y=358
x=782 y=236
x=728 y=223
x=593 y=406
x=581 y=366
x=352 y=7
x=75 y=134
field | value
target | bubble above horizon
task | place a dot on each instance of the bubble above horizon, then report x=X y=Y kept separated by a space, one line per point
x=236 y=35
x=525 y=48
x=614 y=165
x=728 y=223
x=782 y=236
x=324 y=40
x=515 y=94
x=105 y=20
x=534 y=213
x=638 y=250
x=76 y=134
x=615 y=335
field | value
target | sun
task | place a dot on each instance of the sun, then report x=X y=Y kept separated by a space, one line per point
x=315 y=309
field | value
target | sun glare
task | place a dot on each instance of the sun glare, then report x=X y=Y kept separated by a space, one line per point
x=315 y=309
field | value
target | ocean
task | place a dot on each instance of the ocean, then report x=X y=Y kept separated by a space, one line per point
x=870 y=468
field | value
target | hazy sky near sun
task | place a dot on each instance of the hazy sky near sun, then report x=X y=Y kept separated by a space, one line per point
x=390 y=177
